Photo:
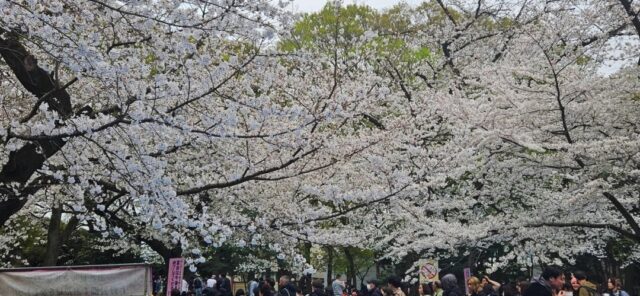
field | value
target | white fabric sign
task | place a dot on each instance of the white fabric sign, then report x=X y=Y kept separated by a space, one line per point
x=76 y=281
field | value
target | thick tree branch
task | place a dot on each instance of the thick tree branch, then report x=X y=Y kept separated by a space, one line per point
x=623 y=211
x=350 y=209
x=45 y=97
x=447 y=12
x=246 y=178
x=24 y=162
x=635 y=20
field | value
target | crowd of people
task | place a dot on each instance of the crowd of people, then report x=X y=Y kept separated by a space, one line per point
x=215 y=285
x=552 y=282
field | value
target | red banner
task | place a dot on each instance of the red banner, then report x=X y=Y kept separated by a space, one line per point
x=174 y=279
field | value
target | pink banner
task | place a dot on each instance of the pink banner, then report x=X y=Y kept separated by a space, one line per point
x=467 y=275
x=174 y=279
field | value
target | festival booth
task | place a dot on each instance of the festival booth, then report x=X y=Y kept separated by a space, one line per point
x=88 y=280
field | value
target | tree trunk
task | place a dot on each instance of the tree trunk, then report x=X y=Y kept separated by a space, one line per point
x=351 y=267
x=471 y=260
x=329 y=265
x=53 y=237
x=57 y=235
x=305 y=280
x=306 y=252
x=166 y=253
x=25 y=161
x=378 y=269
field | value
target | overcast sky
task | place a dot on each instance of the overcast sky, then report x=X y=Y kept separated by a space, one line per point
x=315 y=5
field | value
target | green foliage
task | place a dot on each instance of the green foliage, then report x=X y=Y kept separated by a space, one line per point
x=422 y=53
x=82 y=248
x=583 y=60
x=345 y=27
x=32 y=243
x=320 y=30
x=363 y=259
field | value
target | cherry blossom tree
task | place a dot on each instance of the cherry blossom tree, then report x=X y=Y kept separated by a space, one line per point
x=184 y=125
x=177 y=125
x=545 y=145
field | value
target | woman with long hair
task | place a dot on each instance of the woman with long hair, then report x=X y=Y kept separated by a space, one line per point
x=474 y=285
x=615 y=287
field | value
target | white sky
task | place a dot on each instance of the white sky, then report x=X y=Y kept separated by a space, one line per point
x=315 y=5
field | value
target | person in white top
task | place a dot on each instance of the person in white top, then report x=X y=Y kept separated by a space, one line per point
x=211 y=282
x=185 y=286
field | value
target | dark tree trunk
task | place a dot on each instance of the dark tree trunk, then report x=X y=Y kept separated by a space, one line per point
x=471 y=260
x=24 y=162
x=57 y=235
x=305 y=279
x=378 y=263
x=351 y=267
x=53 y=238
x=329 y=265
x=306 y=252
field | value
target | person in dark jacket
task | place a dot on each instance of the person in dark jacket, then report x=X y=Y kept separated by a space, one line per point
x=224 y=285
x=328 y=290
x=373 y=288
x=266 y=288
x=197 y=285
x=523 y=286
x=211 y=291
x=317 y=288
x=510 y=289
x=286 y=287
x=551 y=279
x=450 y=286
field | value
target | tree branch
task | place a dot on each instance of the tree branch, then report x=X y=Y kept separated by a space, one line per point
x=627 y=216
x=447 y=12
x=246 y=178
x=24 y=162
x=351 y=209
x=46 y=96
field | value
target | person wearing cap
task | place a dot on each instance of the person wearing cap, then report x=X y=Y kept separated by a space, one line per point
x=373 y=288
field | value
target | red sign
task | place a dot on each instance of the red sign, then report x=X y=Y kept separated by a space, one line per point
x=176 y=269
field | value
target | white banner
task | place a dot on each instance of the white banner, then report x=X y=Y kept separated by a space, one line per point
x=97 y=280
